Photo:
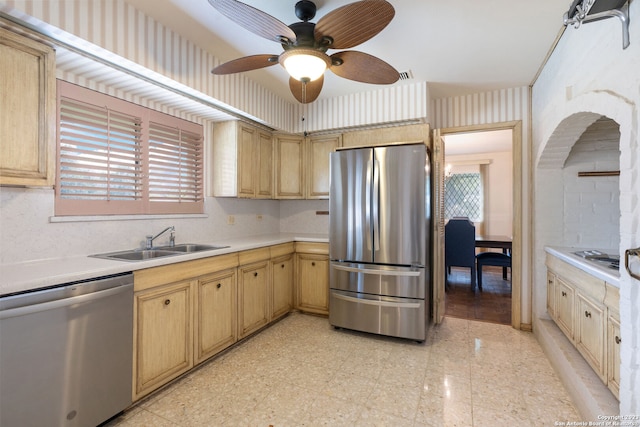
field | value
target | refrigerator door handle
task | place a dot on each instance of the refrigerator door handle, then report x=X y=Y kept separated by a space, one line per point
x=376 y=302
x=376 y=206
x=376 y=272
x=367 y=208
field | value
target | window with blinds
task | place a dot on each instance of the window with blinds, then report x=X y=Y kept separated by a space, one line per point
x=115 y=157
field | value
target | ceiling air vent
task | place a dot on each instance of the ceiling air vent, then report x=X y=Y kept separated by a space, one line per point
x=406 y=75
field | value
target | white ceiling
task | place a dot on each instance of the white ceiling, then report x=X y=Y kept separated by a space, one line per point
x=457 y=46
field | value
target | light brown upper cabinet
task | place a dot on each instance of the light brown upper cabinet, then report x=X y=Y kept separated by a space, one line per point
x=302 y=166
x=317 y=168
x=27 y=108
x=242 y=162
x=288 y=165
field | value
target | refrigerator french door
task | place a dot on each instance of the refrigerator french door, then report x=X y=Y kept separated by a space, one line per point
x=379 y=240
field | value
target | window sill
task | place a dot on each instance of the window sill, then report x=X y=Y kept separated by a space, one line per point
x=92 y=218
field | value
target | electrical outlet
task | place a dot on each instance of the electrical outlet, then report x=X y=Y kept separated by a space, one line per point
x=231 y=219
x=258 y=217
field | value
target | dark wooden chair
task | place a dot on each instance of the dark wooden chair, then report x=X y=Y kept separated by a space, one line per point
x=491 y=258
x=460 y=246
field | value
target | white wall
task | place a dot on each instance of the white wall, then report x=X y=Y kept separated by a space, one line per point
x=589 y=75
x=27 y=234
x=304 y=216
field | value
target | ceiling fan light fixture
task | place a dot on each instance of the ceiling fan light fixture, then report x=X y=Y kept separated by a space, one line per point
x=305 y=64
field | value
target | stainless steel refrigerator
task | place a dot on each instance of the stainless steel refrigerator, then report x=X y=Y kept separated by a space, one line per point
x=379 y=224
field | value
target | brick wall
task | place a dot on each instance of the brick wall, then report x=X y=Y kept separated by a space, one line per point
x=588 y=76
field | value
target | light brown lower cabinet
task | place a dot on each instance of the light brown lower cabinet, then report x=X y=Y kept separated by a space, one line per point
x=253 y=297
x=187 y=312
x=585 y=309
x=181 y=317
x=281 y=285
x=163 y=335
x=312 y=287
x=216 y=324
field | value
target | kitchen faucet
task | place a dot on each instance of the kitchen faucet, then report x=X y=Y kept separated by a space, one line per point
x=172 y=238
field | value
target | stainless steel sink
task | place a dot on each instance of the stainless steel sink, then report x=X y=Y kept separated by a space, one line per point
x=136 y=254
x=161 y=252
x=191 y=247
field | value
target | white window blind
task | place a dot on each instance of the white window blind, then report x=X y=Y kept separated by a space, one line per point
x=115 y=157
x=175 y=165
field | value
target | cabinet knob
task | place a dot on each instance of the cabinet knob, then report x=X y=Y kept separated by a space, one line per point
x=255 y=274
x=587 y=313
x=550 y=282
x=167 y=302
x=618 y=340
x=564 y=294
x=313 y=264
x=219 y=285
x=282 y=266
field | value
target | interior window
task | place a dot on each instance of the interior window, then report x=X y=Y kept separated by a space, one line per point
x=463 y=196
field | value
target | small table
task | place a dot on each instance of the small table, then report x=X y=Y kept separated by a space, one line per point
x=499 y=242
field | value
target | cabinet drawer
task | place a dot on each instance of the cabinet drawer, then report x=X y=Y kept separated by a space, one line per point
x=281 y=250
x=312 y=248
x=253 y=255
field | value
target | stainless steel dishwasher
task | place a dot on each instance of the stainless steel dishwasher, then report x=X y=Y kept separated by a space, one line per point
x=66 y=353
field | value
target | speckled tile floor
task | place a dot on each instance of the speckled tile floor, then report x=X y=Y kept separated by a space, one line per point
x=302 y=372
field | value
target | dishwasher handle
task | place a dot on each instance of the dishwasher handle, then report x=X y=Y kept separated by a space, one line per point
x=51 y=305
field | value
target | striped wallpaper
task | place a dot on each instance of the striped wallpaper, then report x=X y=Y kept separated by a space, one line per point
x=481 y=108
x=120 y=28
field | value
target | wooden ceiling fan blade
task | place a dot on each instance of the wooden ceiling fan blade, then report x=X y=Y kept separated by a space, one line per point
x=247 y=63
x=254 y=20
x=306 y=92
x=362 y=67
x=355 y=23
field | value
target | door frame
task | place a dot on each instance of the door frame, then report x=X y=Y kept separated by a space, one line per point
x=517 y=168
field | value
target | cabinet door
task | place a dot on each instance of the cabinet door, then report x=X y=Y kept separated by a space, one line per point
x=253 y=297
x=247 y=164
x=264 y=179
x=163 y=336
x=613 y=356
x=27 y=108
x=289 y=182
x=590 y=333
x=281 y=285
x=216 y=327
x=551 y=294
x=564 y=307
x=313 y=283
x=317 y=167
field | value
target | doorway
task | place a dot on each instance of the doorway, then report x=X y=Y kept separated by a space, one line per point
x=479 y=186
x=514 y=199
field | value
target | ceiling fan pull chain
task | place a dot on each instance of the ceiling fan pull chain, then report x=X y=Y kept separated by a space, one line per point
x=304 y=106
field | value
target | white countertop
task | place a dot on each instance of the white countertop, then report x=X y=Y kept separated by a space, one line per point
x=31 y=275
x=596 y=269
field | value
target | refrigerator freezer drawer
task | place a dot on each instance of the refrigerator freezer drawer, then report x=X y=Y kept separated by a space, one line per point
x=403 y=282
x=396 y=317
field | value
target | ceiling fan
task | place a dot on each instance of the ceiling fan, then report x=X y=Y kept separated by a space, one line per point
x=305 y=43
